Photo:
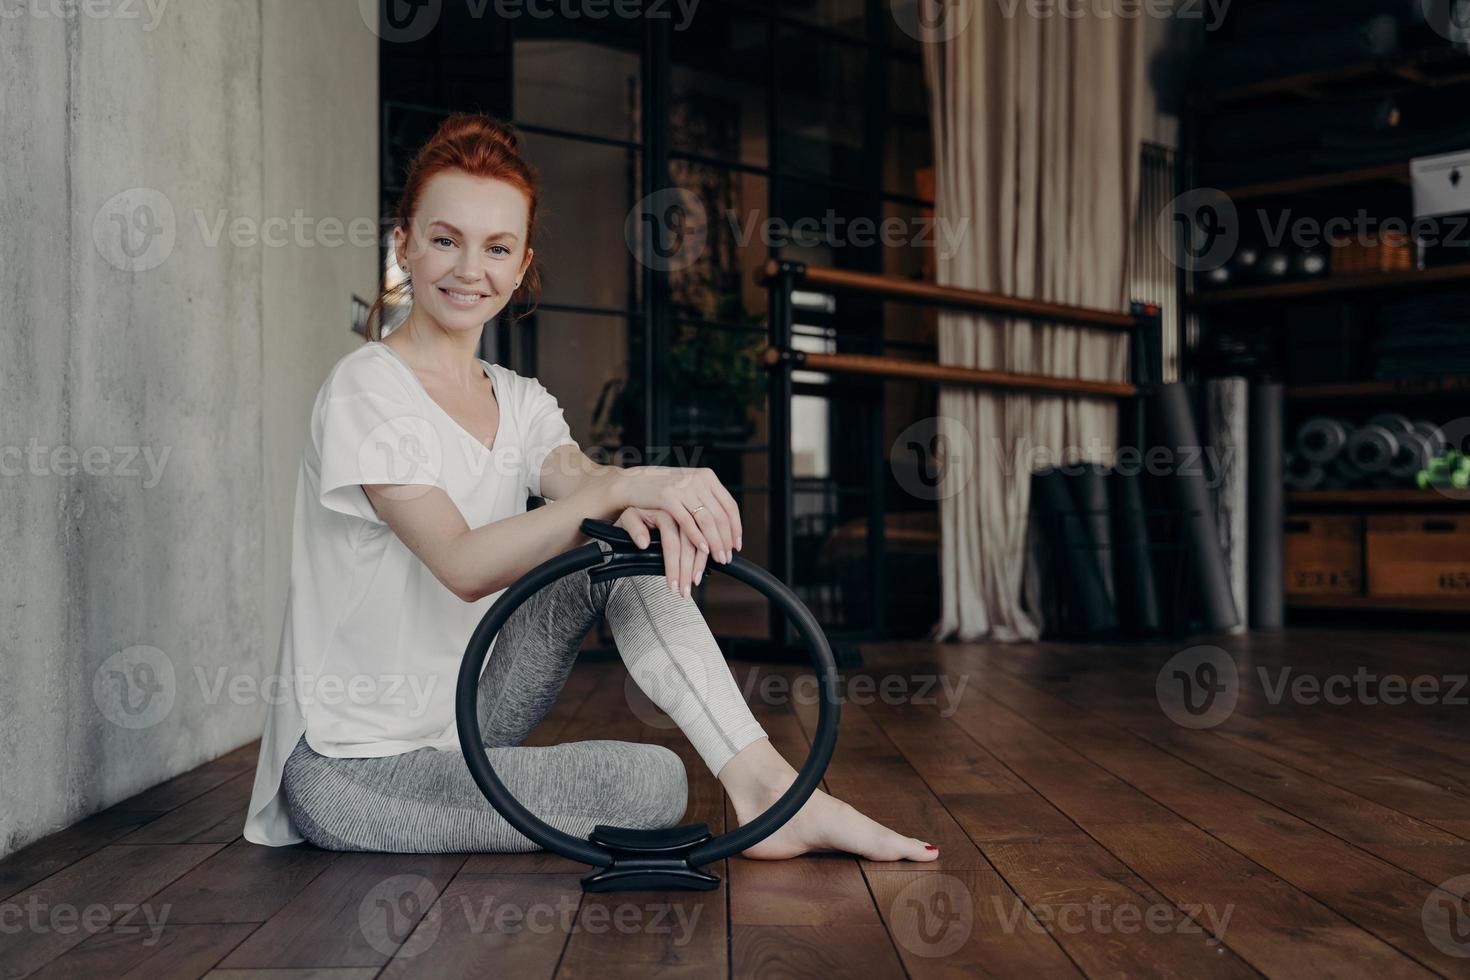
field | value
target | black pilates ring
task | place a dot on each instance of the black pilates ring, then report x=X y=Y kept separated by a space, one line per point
x=625 y=858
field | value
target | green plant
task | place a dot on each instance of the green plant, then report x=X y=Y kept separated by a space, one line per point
x=711 y=373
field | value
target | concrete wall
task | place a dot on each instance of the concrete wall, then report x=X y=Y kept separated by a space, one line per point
x=155 y=376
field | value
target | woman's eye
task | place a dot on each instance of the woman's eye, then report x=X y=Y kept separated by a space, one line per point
x=503 y=249
x=449 y=241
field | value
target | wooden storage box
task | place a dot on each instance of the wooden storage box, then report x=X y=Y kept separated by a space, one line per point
x=1324 y=554
x=1419 y=555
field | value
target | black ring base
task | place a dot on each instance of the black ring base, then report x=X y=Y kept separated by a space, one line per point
x=649 y=859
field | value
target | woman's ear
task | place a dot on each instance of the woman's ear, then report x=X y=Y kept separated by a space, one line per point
x=400 y=245
x=525 y=264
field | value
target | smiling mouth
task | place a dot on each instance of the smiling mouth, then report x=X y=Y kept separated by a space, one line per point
x=462 y=297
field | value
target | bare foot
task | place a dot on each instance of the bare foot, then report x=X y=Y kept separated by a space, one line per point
x=825 y=823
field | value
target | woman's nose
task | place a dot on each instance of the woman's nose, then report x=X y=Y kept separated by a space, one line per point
x=467 y=269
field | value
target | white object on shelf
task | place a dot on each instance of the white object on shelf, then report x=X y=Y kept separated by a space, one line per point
x=1441 y=184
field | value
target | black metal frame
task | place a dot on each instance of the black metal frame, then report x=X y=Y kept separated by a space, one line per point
x=1145 y=371
x=650 y=319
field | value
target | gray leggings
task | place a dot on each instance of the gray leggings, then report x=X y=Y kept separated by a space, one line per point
x=425 y=800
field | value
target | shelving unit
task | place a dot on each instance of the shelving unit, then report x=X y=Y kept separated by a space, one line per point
x=1384 y=603
x=1432 y=68
x=1331 y=285
x=1389 y=173
x=1457 y=385
x=1407 y=497
x=1268 y=318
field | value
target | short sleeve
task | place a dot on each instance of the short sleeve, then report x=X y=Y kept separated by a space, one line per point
x=373 y=430
x=545 y=430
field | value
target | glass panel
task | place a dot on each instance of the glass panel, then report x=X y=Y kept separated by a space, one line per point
x=908 y=162
x=908 y=147
x=406 y=128
x=721 y=284
x=912 y=323
x=829 y=541
x=828 y=225
x=463 y=62
x=583 y=361
x=810 y=417
x=844 y=16
x=720 y=71
x=901 y=23
x=586 y=194
x=715 y=387
x=912 y=241
x=577 y=86
x=730 y=607
x=907 y=92
x=822 y=109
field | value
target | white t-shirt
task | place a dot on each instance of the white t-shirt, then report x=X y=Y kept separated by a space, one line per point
x=372 y=641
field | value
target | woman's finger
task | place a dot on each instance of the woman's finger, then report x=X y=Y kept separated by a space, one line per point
x=689 y=555
x=629 y=521
x=676 y=507
x=716 y=526
x=701 y=561
x=668 y=535
x=642 y=521
x=732 y=511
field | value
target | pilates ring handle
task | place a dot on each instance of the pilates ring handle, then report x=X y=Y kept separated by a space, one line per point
x=627 y=858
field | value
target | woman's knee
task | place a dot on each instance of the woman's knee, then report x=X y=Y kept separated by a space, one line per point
x=306 y=795
x=652 y=787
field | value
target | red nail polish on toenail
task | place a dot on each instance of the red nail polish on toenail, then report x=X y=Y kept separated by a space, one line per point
x=930 y=847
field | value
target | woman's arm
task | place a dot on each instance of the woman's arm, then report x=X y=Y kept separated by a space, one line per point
x=696 y=516
x=568 y=470
x=474 y=563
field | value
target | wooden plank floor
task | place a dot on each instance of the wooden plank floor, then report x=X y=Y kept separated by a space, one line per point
x=1315 y=829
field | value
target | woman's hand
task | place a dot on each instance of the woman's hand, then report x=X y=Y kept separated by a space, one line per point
x=695 y=515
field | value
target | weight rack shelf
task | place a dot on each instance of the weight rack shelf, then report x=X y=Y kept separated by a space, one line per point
x=1382 y=603
x=1396 y=390
x=1329 y=285
x=1405 y=497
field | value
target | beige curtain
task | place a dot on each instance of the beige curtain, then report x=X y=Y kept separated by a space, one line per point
x=1036 y=131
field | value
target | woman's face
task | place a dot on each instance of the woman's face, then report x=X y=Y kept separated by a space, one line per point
x=467 y=251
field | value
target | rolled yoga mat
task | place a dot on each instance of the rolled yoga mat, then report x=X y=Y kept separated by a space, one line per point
x=1227 y=403
x=1414 y=454
x=1172 y=419
x=1267 y=505
x=1393 y=422
x=1136 y=589
x=1437 y=441
x=1342 y=474
x=1372 y=448
x=1077 y=579
x=1301 y=474
x=1090 y=494
x=1320 y=439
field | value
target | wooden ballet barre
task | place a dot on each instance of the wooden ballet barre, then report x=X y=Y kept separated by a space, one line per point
x=892 y=367
x=898 y=288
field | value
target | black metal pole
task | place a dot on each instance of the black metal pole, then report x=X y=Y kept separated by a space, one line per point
x=656 y=177
x=782 y=558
